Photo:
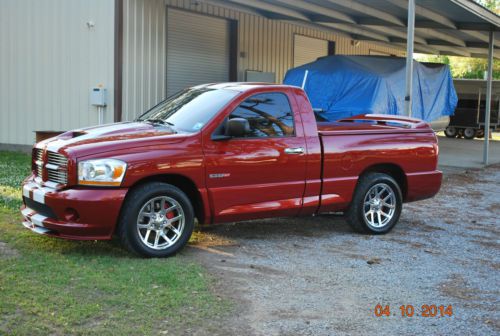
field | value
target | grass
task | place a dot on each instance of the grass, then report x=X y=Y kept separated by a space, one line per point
x=14 y=167
x=53 y=286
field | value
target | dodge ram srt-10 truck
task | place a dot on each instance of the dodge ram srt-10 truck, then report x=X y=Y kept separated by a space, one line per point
x=223 y=153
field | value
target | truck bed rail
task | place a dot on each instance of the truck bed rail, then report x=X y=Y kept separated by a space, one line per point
x=387 y=120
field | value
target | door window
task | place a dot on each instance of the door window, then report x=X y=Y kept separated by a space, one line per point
x=268 y=114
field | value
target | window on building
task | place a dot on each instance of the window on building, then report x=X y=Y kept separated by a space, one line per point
x=268 y=114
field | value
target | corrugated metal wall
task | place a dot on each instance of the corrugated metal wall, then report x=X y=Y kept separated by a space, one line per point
x=144 y=60
x=49 y=60
x=197 y=50
x=308 y=49
x=264 y=45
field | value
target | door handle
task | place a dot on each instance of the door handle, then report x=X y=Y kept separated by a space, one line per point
x=296 y=150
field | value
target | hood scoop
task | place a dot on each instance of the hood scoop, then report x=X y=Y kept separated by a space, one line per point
x=78 y=133
x=71 y=135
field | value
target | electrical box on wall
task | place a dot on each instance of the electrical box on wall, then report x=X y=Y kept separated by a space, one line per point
x=98 y=96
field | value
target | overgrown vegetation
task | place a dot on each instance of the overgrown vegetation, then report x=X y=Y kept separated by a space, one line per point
x=492 y=5
x=467 y=67
x=57 y=287
x=463 y=67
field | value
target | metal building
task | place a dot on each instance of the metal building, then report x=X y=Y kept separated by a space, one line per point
x=54 y=52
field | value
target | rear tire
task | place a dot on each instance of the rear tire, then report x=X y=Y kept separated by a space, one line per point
x=376 y=205
x=469 y=133
x=451 y=132
x=157 y=220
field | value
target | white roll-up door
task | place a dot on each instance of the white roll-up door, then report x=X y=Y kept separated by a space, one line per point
x=308 y=49
x=197 y=50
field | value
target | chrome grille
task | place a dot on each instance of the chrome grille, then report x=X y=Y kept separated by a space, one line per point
x=38 y=154
x=56 y=166
x=57 y=159
x=39 y=170
x=38 y=162
x=57 y=176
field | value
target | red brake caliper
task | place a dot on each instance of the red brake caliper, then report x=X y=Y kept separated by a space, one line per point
x=169 y=215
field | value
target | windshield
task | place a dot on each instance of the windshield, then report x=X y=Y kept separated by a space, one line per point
x=189 y=110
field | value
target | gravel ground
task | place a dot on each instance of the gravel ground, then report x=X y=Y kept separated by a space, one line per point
x=314 y=276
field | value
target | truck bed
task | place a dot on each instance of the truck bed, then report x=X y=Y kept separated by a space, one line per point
x=405 y=146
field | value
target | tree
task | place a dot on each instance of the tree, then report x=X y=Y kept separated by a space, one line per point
x=492 y=5
x=463 y=67
x=466 y=67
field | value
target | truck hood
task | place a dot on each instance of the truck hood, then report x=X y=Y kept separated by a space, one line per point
x=111 y=137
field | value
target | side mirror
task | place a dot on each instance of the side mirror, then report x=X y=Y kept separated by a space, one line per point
x=237 y=127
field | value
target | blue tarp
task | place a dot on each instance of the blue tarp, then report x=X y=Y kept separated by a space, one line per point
x=344 y=86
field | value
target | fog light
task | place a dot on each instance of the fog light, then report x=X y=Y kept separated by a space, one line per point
x=71 y=215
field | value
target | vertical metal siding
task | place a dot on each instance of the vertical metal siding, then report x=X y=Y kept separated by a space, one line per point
x=307 y=49
x=144 y=55
x=49 y=60
x=197 y=50
x=263 y=45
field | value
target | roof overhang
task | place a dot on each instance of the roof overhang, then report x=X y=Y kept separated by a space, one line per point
x=449 y=27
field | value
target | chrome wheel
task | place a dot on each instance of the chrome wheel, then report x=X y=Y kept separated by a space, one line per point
x=379 y=205
x=160 y=222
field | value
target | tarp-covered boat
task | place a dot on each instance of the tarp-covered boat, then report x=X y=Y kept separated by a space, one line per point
x=344 y=86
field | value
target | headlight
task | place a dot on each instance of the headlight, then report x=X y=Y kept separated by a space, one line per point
x=102 y=172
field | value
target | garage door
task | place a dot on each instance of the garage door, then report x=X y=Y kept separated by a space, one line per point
x=307 y=49
x=197 y=50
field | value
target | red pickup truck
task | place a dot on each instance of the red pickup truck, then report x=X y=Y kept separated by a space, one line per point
x=223 y=153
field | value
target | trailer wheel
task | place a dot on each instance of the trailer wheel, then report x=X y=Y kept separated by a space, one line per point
x=480 y=133
x=156 y=221
x=376 y=205
x=469 y=133
x=450 y=132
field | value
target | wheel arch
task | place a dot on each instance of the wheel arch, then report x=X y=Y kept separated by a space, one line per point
x=185 y=184
x=393 y=170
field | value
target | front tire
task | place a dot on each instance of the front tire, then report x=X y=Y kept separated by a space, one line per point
x=376 y=205
x=157 y=220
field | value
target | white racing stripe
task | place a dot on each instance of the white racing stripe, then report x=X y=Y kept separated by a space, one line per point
x=38 y=219
x=36 y=229
x=38 y=192
x=28 y=225
x=27 y=211
x=51 y=185
x=57 y=144
x=40 y=230
x=39 y=195
x=26 y=190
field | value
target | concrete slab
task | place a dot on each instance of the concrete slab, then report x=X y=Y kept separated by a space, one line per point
x=465 y=153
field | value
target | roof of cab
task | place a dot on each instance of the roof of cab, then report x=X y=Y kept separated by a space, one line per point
x=240 y=86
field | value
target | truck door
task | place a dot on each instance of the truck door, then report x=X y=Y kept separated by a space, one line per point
x=261 y=174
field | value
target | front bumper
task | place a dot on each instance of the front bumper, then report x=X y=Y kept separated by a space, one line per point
x=79 y=213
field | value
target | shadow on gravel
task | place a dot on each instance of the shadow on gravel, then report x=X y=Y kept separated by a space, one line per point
x=277 y=228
